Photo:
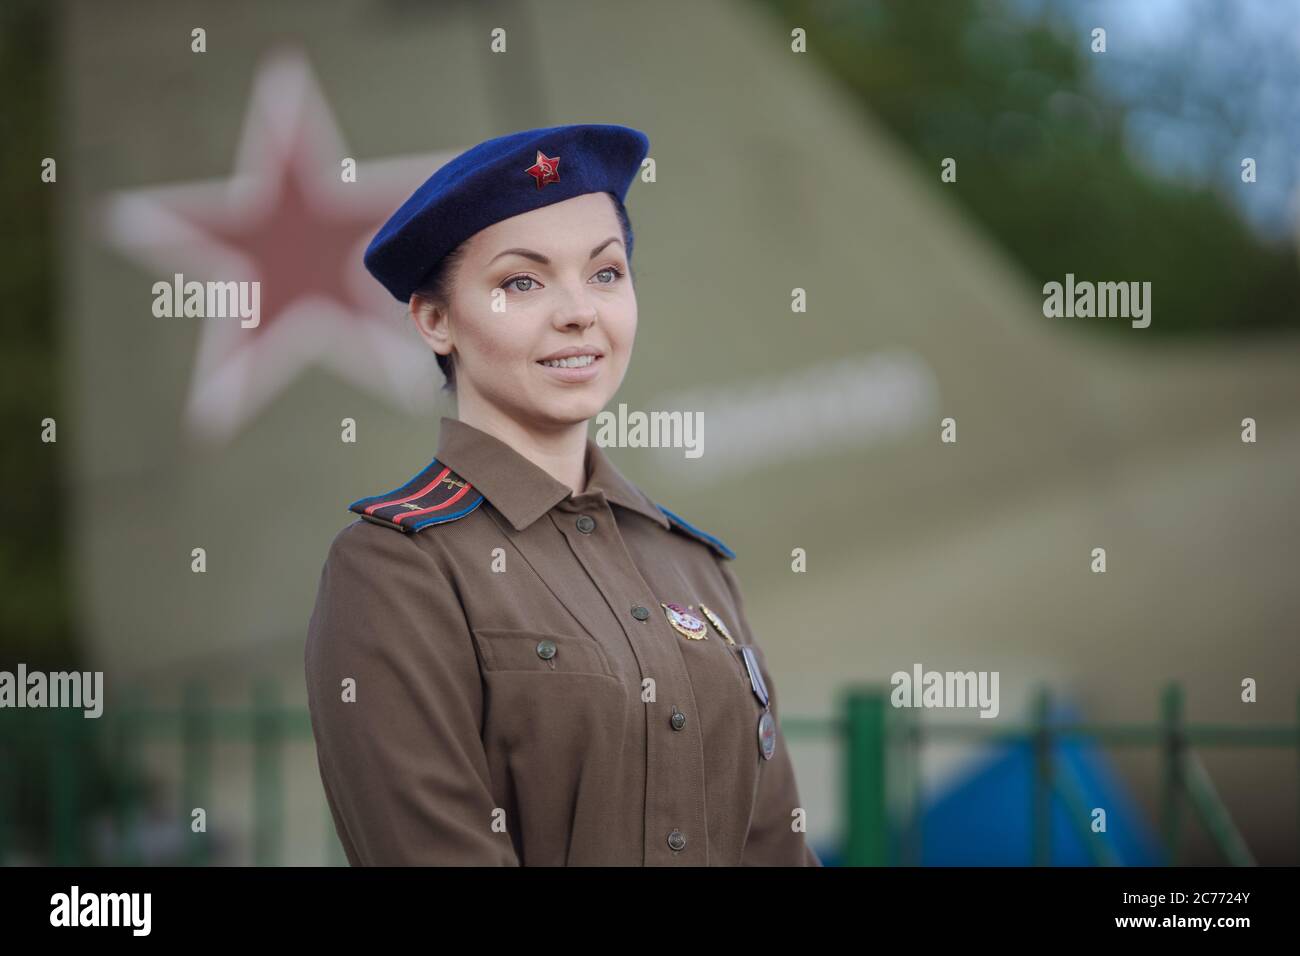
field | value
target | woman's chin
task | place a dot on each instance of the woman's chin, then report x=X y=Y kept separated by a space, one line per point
x=578 y=406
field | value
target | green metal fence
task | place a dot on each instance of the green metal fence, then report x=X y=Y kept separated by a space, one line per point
x=95 y=766
x=881 y=748
x=118 y=739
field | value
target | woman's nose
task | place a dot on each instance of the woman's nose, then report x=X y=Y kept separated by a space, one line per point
x=576 y=310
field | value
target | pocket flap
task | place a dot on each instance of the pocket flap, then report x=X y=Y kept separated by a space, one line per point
x=516 y=650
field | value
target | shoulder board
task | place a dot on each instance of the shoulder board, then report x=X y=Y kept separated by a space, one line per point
x=687 y=528
x=435 y=496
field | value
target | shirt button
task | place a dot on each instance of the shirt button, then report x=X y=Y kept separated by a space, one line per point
x=676 y=840
x=679 y=720
x=546 y=650
x=586 y=524
x=640 y=613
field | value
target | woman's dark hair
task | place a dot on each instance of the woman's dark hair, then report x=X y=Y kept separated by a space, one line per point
x=437 y=285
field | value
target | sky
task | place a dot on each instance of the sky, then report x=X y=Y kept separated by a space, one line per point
x=1206 y=83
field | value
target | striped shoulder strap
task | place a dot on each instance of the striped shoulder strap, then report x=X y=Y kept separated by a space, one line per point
x=434 y=496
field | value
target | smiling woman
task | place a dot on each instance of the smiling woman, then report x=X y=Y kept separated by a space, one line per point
x=487 y=680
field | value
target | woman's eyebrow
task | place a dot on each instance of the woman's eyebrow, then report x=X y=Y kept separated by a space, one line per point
x=538 y=257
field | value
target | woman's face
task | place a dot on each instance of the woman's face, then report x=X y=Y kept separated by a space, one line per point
x=542 y=314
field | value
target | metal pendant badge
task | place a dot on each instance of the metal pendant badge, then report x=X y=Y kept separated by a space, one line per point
x=755 y=674
x=717 y=624
x=767 y=735
x=766 y=722
x=685 y=623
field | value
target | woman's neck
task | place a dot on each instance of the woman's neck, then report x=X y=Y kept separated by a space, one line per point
x=561 y=452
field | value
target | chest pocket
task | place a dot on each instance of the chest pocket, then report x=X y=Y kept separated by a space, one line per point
x=540 y=653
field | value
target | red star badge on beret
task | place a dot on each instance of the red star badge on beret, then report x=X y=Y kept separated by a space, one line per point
x=545 y=170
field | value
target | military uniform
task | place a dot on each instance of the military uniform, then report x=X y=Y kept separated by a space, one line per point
x=542 y=678
x=500 y=671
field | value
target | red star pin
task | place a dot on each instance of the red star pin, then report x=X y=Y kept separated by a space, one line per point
x=545 y=170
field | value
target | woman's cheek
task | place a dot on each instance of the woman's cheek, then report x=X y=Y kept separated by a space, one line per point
x=494 y=349
x=625 y=338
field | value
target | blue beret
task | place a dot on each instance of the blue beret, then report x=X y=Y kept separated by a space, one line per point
x=495 y=180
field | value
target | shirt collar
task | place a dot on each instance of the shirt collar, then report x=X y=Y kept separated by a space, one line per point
x=521 y=490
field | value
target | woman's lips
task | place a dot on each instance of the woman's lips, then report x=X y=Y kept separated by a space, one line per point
x=581 y=373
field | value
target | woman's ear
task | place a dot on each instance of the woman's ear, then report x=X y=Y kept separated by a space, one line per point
x=431 y=322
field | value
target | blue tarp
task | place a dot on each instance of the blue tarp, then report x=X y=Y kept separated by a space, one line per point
x=985 y=816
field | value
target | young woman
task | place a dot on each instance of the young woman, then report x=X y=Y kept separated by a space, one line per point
x=517 y=657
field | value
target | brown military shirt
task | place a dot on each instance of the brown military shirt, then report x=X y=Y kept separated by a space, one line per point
x=493 y=679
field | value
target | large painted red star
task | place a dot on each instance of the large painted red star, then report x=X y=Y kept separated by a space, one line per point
x=288 y=219
x=545 y=170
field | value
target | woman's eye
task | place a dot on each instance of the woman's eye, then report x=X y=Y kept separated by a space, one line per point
x=510 y=283
x=614 y=274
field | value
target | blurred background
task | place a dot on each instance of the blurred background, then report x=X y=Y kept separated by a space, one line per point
x=798 y=145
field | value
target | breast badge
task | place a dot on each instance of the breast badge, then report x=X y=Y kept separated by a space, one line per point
x=766 y=722
x=767 y=735
x=717 y=624
x=685 y=623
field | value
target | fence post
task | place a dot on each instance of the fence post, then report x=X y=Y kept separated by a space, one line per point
x=10 y=734
x=903 y=786
x=196 y=743
x=266 y=775
x=864 y=762
x=65 y=786
x=129 y=785
x=1172 y=708
x=1042 y=796
x=1207 y=803
x=1066 y=782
